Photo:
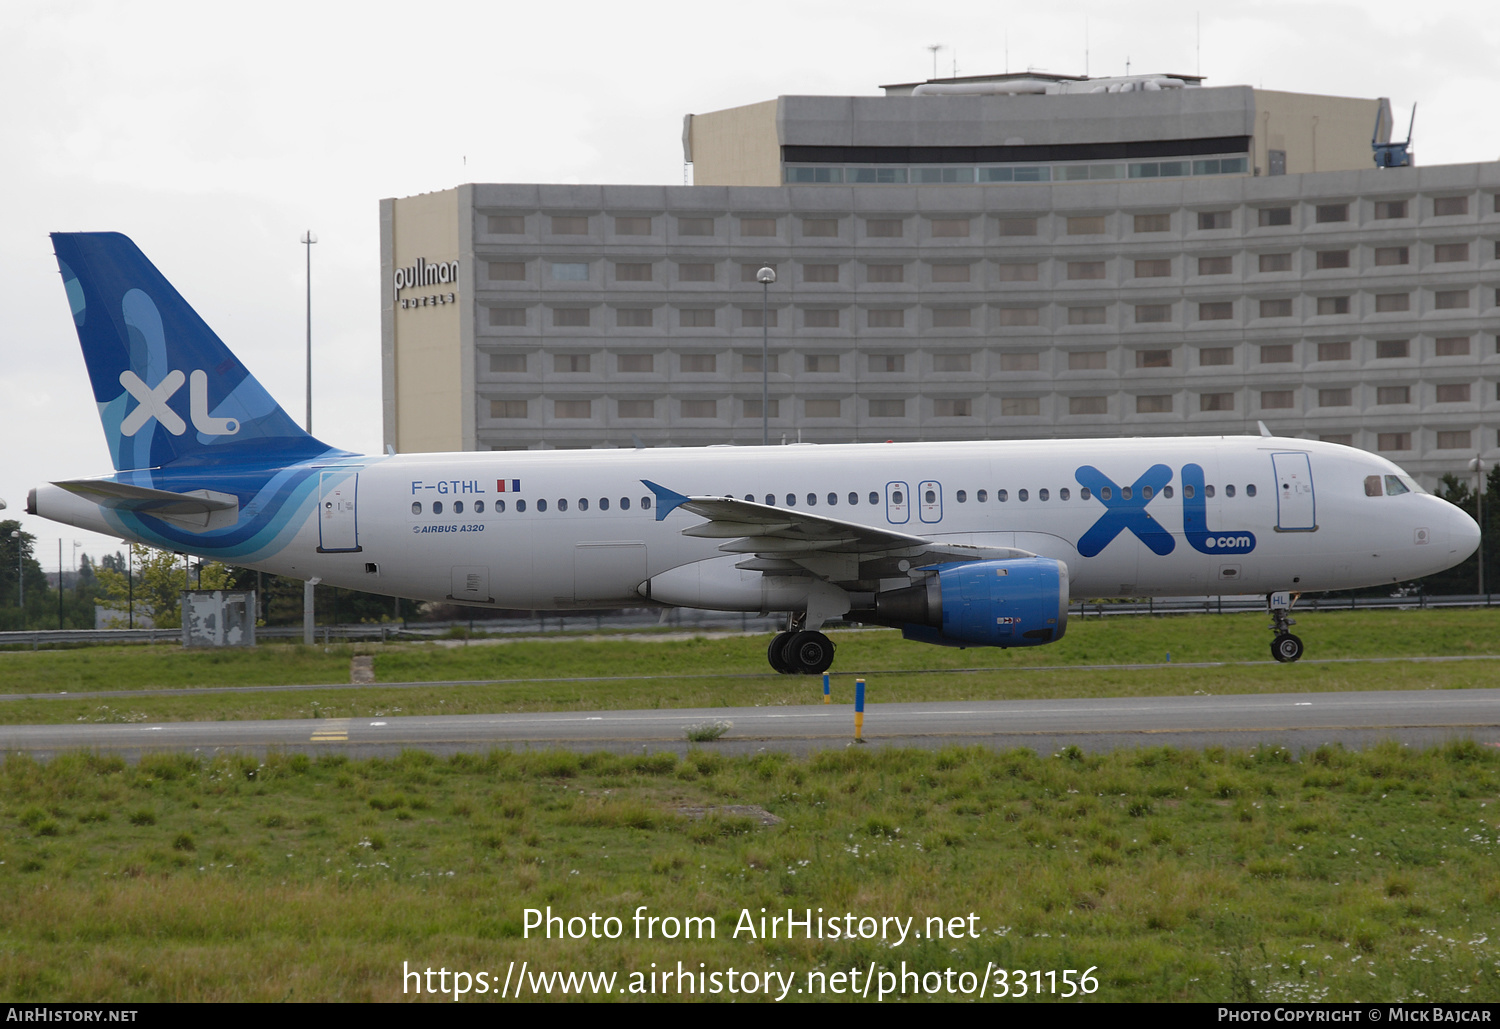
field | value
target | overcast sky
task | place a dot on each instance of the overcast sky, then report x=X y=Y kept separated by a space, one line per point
x=214 y=135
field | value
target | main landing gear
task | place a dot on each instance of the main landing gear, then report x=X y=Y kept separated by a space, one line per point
x=1285 y=647
x=800 y=651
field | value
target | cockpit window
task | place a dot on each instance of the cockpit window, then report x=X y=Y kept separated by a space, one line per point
x=1372 y=486
x=1394 y=486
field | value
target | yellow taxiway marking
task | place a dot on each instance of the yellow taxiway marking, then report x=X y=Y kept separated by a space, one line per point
x=336 y=731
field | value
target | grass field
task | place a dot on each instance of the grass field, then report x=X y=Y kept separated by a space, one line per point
x=730 y=671
x=1173 y=875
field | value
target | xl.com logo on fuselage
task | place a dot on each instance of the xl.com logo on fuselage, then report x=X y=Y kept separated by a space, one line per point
x=1126 y=511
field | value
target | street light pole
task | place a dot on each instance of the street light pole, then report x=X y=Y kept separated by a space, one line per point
x=20 y=577
x=1477 y=465
x=765 y=277
x=308 y=239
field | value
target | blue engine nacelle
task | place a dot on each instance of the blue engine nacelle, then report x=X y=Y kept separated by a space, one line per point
x=1016 y=603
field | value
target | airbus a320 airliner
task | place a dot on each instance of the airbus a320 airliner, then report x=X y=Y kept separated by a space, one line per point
x=960 y=544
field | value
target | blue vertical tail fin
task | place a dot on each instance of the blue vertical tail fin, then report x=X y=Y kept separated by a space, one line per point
x=169 y=391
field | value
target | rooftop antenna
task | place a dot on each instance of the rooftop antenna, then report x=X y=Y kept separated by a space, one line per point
x=1085 y=46
x=1007 y=51
x=1198 y=45
x=933 y=48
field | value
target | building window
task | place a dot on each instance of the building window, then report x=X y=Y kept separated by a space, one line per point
x=696 y=226
x=1444 y=253
x=950 y=273
x=1085 y=316
x=508 y=409
x=1387 y=256
x=951 y=318
x=885 y=228
x=1088 y=405
x=1020 y=407
x=1085 y=269
x=822 y=364
x=636 y=364
x=1218 y=311
x=634 y=317
x=508 y=364
x=1275 y=263
x=1279 y=308
x=1389 y=303
x=1016 y=272
x=821 y=318
x=1385 y=210
x=1335 y=397
x=507 y=225
x=1443 y=207
x=570 y=317
x=820 y=273
x=751 y=408
x=632 y=225
x=1215 y=356
x=1393 y=441
x=1277 y=399
x=1386 y=349
x=1215 y=265
x=507 y=271
x=1450 y=299
x=1454 y=439
x=1216 y=401
x=698 y=364
x=695 y=272
x=1086 y=225
x=572 y=363
x=633 y=272
x=1021 y=361
x=1148 y=313
x=750 y=227
x=635 y=408
x=570 y=225
x=569 y=272
x=1338 y=351
x=885 y=273
x=1451 y=346
x=1343 y=439
x=751 y=362
x=820 y=227
x=1333 y=259
x=1155 y=268
x=1015 y=317
x=1453 y=393
x=887 y=363
x=1333 y=305
x=1153 y=223
x=510 y=317
x=822 y=408
x=1154 y=404
x=952 y=407
x=887 y=408
x=703 y=318
x=572 y=409
x=886 y=319
x=1269 y=217
x=1393 y=395
x=951 y=227
x=1215 y=220
x=1087 y=360
x=952 y=362
x=757 y=318
x=1276 y=353
x=1016 y=227
x=700 y=409
x=1332 y=213
x=1153 y=358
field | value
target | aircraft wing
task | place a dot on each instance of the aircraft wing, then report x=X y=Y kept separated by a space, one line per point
x=787 y=541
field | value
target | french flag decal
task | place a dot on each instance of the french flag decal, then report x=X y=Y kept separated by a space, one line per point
x=507 y=485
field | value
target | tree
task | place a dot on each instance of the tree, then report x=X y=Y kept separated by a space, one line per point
x=160 y=578
x=40 y=600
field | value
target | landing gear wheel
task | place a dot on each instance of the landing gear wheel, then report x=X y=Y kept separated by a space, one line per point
x=811 y=653
x=1286 y=647
x=777 y=654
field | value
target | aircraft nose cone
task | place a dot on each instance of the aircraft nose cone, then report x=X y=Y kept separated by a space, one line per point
x=1463 y=534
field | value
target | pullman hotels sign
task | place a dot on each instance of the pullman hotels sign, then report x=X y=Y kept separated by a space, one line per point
x=425 y=274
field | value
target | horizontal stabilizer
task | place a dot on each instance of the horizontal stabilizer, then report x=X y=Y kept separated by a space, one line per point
x=198 y=511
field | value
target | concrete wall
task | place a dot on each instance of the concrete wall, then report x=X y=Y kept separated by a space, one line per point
x=1318 y=133
x=737 y=147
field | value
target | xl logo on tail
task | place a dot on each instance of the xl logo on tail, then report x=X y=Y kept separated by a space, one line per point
x=152 y=403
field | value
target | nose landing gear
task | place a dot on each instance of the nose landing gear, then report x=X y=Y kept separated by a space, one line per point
x=1285 y=647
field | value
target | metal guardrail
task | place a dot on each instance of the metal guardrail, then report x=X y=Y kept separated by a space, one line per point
x=692 y=620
